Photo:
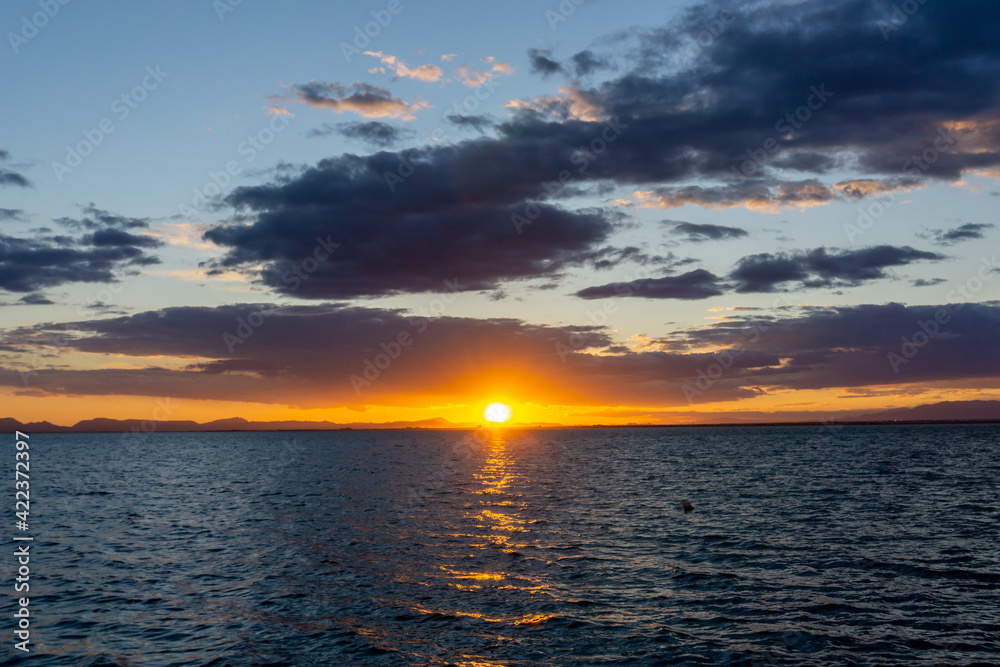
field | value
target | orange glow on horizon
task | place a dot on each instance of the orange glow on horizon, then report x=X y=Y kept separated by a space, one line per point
x=35 y=406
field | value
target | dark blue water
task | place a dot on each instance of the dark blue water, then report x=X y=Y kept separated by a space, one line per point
x=807 y=546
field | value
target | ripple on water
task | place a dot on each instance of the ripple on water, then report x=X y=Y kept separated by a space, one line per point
x=874 y=545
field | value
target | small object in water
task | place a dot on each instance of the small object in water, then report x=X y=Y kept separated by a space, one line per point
x=687 y=506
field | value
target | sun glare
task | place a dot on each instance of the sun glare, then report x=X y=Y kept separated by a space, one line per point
x=497 y=413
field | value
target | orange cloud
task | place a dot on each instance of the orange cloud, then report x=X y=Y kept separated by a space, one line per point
x=474 y=79
x=429 y=73
x=364 y=99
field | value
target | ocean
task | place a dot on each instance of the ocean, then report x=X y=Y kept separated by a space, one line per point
x=853 y=545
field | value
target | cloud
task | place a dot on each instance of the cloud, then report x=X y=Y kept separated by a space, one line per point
x=13 y=214
x=182 y=234
x=698 y=233
x=332 y=343
x=820 y=268
x=542 y=63
x=363 y=99
x=755 y=195
x=121 y=239
x=429 y=73
x=581 y=64
x=103 y=251
x=96 y=218
x=850 y=346
x=571 y=104
x=837 y=103
x=865 y=187
x=375 y=133
x=478 y=123
x=969 y=231
x=436 y=227
x=28 y=265
x=672 y=126
x=36 y=300
x=476 y=78
x=9 y=176
x=698 y=284
x=451 y=358
x=586 y=62
x=766 y=272
x=272 y=110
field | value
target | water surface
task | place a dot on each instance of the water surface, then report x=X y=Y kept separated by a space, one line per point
x=847 y=546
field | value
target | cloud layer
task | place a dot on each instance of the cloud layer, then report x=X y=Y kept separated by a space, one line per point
x=769 y=272
x=99 y=254
x=450 y=358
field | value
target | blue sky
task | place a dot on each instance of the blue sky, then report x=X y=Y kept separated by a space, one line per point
x=201 y=78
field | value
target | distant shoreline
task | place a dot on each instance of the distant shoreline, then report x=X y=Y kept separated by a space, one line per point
x=71 y=430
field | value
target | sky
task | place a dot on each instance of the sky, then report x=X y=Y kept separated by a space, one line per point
x=595 y=212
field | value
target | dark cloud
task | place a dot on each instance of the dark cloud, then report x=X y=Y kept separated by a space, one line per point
x=768 y=272
x=430 y=232
x=829 y=91
x=374 y=133
x=96 y=218
x=100 y=255
x=851 y=346
x=36 y=300
x=707 y=232
x=478 y=123
x=9 y=176
x=967 y=232
x=763 y=195
x=586 y=62
x=819 y=268
x=361 y=98
x=806 y=161
x=332 y=343
x=27 y=265
x=449 y=357
x=921 y=282
x=119 y=238
x=929 y=91
x=450 y=215
x=697 y=284
x=14 y=214
x=542 y=62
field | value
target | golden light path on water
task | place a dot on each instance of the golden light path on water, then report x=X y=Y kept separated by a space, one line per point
x=493 y=536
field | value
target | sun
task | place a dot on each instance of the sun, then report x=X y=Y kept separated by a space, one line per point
x=497 y=413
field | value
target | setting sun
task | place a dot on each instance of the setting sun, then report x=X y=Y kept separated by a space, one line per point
x=497 y=412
